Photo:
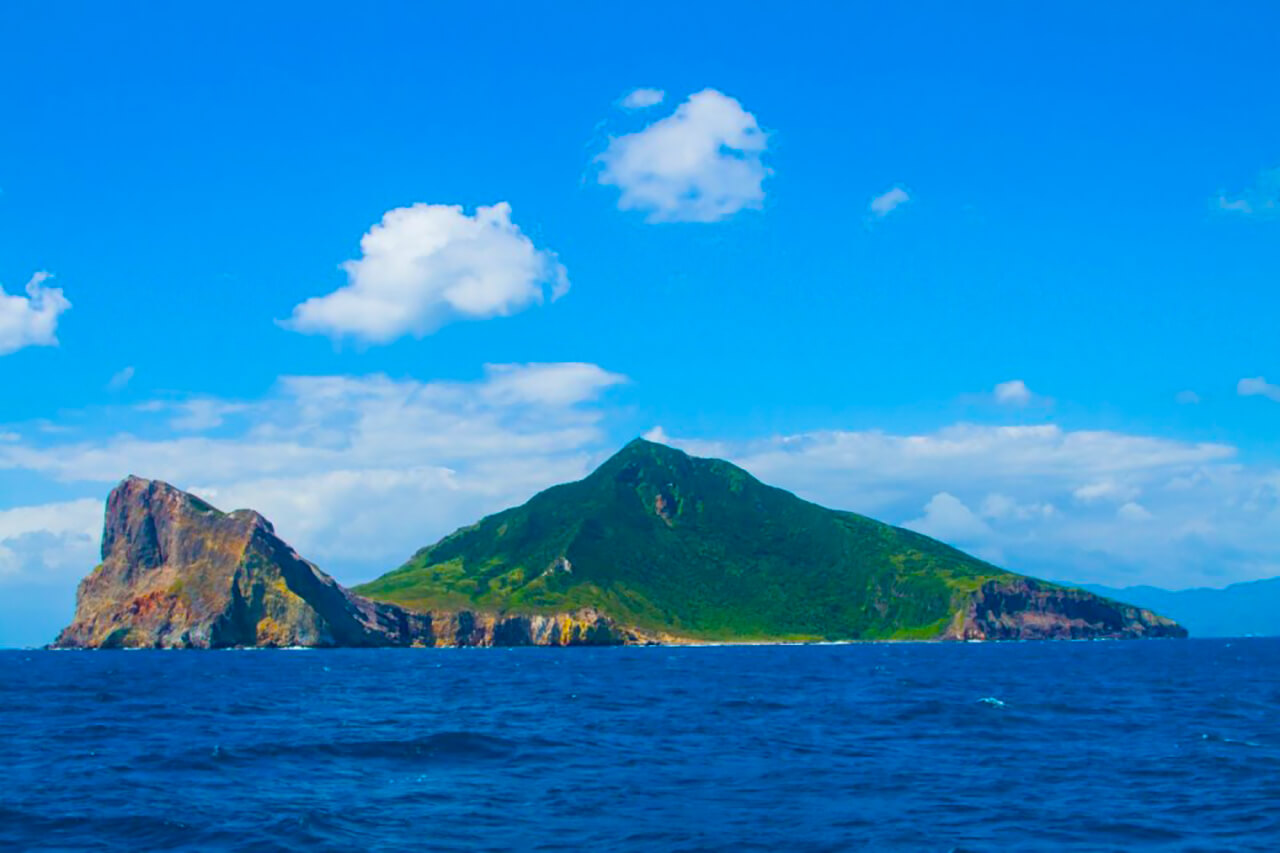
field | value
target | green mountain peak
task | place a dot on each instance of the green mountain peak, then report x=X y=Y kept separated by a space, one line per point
x=697 y=548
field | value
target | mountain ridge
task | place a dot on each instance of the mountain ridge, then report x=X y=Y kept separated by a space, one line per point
x=1248 y=608
x=662 y=540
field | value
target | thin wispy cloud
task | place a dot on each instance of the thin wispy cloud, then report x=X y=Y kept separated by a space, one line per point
x=1261 y=198
x=1258 y=387
x=640 y=99
x=120 y=379
x=886 y=203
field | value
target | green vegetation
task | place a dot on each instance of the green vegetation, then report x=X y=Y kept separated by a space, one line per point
x=696 y=547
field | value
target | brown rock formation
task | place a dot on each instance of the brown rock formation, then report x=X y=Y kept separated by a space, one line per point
x=1025 y=609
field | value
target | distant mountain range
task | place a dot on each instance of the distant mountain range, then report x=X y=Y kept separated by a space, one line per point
x=1239 y=610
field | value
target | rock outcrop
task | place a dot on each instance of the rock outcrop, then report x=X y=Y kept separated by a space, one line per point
x=1026 y=609
x=178 y=573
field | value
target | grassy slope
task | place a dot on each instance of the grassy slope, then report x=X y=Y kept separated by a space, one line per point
x=697 y=547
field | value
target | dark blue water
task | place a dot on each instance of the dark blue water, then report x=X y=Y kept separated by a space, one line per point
x=1110 y=746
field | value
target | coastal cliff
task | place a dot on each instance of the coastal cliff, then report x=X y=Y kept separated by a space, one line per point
x=1027 y=609
x=178 y=573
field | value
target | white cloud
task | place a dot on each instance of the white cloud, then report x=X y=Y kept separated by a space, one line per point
x=560 y=384
x=639 y=99
x=1104 y=490
x=1234 y=205
x=120 y=379
x=700 y=164
x=1258 y=387
x=1262 y=198
x=1002 y=507
x=883 y=205
x=358 y=472
x=1187 y=398
x=1012 y=393
x=31 y=320
x=946 y=517
x=48 y=541
x=426 y=265
x=1133 y=511
x=658 y=434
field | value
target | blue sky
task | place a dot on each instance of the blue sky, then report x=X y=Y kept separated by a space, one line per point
x=1084 y=212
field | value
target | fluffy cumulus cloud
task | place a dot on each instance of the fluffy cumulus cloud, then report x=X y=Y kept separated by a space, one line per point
x=1262 y=198
x=882 y=205
x=1082 y=505
x=31 y=320
x=1258 y=387
x=639 y=99
x=355 y=471
x=426 y=265
x=949 y=519
x=702 y=163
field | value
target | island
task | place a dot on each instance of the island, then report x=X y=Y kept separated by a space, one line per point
x=653 y=547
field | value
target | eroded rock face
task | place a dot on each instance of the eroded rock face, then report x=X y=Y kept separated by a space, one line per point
x=585 y=627
x=178 y=573
x=1025 y=609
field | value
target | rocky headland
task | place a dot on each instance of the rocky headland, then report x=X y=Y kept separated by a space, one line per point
x=178 y=573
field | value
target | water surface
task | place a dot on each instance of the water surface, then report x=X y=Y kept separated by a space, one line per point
x=1163 y=745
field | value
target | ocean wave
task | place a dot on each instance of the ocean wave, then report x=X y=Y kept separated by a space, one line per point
x=439 y=747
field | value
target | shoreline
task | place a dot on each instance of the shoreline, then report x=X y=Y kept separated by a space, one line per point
x=678 y=645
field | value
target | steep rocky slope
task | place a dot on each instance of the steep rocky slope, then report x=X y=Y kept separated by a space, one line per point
x=177 y=573
x=1026 y=609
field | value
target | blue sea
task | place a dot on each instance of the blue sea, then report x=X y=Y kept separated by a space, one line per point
x=1160 y=745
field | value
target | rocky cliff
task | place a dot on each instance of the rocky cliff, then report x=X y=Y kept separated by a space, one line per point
x=178 y=573
x=1027 y=609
